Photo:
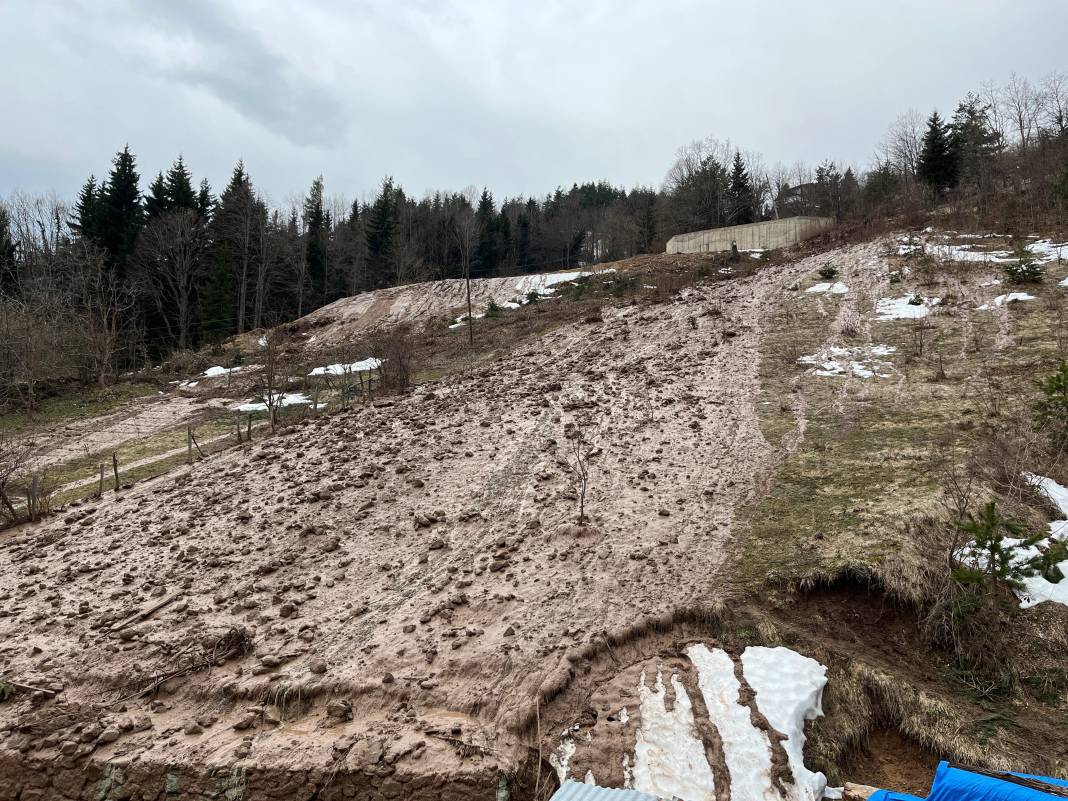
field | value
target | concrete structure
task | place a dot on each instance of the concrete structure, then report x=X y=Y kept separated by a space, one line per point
x=762 y=235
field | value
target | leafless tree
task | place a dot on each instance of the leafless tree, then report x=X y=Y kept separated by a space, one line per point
x=579 y=451
x=102 y=305
x=15 y=454
x=1055 y=101
x=271 y=382
x=169 y=255
x=466 y=230
x=1022 y=103
x=903 y=143
x=266 y=233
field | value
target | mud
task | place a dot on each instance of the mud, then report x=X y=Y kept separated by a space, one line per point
x=411 y=575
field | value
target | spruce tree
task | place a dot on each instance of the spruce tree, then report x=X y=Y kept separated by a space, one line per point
x=486 y=252
x=9 y=277
x=179 y=183
x=205 y=201
x=86 y=219
x=974 y=142
x=740 y=193
x=937 y=164
x=316 y=229
x=121 y=212
x=380 y=232
x=156 y=198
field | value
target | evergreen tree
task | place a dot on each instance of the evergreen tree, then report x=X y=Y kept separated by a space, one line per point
x=316 y=231
x=9 y=277
x=937 y=164
x=225 y=288
x=974 y=142
x=86 y=219
x=380 y=229
x=156 y=198
x=205 y=201
x=486 y=253
x=121 y=212
x=179 y=183
x=741 y=193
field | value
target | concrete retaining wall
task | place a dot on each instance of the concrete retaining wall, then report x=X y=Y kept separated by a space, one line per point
x=763 y=235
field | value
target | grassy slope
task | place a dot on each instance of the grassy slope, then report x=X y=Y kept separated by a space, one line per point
x=866 y=469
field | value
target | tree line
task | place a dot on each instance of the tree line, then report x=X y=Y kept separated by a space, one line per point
x=124 y=275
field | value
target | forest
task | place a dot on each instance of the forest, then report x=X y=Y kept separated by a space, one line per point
x=134 y=270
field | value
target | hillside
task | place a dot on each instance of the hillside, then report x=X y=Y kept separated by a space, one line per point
x=399 y=599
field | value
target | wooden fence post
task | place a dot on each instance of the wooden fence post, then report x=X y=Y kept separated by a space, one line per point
x=100 y=488
x=115 y=468
x=248 y=433
x=189 y=444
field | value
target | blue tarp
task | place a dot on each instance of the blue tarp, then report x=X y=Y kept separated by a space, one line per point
x=958 y=784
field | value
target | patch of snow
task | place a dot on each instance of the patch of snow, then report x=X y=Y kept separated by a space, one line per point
x=544 y=283
x=589 y=778
x=837 y=288
x=1002 y=300
x=560 y=759
x=262 y=342
x=901 y=309
x=212 y=372
x=364 y=365
x=994 y=282
x=1036 y=589
x=746 y=749
x=1044 y=251
x=861 y=362
x=289 y=399
x=789 y=691
x=623 y=716
x=669 y=758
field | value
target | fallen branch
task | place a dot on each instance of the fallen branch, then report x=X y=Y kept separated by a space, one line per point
x=144 y=613
x=27 y=687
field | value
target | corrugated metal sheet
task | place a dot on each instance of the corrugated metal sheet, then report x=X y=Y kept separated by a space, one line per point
x=572 y=790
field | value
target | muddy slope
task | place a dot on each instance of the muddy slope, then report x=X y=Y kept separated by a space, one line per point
x=389 y=592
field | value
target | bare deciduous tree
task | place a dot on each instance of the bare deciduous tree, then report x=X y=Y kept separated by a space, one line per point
x=169 y=255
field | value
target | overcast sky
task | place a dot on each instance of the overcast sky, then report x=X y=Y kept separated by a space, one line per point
x=518 y=96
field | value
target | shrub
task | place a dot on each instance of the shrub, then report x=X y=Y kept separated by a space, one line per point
x=916 y=300
x=1051 y=410
x=828 y=272
x=994 y=557
x=1025 y=269
x=533 y=297
x=493 y=311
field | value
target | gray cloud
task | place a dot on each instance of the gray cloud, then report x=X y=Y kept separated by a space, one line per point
x=521 y=97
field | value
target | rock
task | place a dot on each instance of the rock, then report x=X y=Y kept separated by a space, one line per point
x=272 y=715
x=388 y=679
x=246 y=721
x=109 y=735
x=317 y=666
x=68 y=748
x=435 y=544
x=342 y=710
x=192 y=727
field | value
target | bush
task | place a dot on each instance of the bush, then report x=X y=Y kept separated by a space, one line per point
x=1051 y=410
x=993 y=557
x=533 y=297
x=493 y=311
x=916 y=300
x=828 y=272
x=1025 y=270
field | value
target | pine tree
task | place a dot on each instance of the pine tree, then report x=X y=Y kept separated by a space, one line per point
x=937 y=164
x=486 y=253
x=316 y=230
x=974 y=142
x=180 y=192
x=86 y=219
x=9 y=277
x=380 y=232
x=121 y=214
x=156 y=198
x=205 y=201
x=226 y=283
x=740 y=193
